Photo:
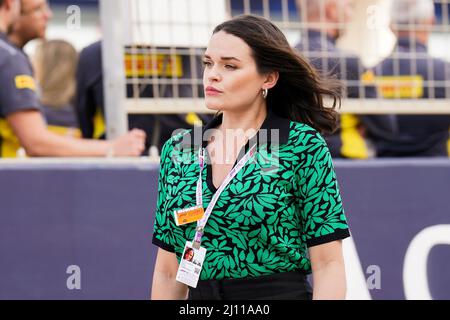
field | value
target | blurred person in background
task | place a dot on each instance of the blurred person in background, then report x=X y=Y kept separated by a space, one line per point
x=89 y=102
x=411 y=73
x=55 y=63
x=21 y=119
x=325 y=22
x=32 y=22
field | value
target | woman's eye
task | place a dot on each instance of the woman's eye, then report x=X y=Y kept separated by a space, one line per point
x=206 y=63
x=230 y=67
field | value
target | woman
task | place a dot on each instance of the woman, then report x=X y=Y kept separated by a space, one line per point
x=55 y=63
x=277 y=215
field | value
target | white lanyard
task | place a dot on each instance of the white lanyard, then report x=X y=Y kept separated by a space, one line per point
x=199 y=190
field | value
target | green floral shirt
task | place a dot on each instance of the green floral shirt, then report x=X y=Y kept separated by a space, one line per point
x=284 y=200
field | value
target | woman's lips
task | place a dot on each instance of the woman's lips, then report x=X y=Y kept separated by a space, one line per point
x=211 y=91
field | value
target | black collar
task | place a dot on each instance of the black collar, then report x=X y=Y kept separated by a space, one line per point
x=274 y=130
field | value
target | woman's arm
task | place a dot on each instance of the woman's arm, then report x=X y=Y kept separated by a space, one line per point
x=328 y=269
x=164 y=286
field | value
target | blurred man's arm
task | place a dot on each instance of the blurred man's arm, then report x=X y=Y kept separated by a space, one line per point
x=30 y=128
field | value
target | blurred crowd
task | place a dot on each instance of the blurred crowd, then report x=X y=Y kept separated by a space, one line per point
x=52 y=104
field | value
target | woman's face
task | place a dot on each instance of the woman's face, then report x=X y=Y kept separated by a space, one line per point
x=231 y=80
x=189 y=255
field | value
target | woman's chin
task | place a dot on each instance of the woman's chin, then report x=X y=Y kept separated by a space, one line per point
x=214 y=106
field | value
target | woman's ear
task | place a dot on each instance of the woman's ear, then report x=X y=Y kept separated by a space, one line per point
x=271 y=80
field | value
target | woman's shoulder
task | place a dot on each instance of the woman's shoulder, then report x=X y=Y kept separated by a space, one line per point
x=308 y=147
x=303 y=134
x=178 y=139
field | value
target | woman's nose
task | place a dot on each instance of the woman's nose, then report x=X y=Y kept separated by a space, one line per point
x=213 y=74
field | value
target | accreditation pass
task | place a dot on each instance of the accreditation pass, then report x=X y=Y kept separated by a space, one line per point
x=188 y=215
x=191 y=264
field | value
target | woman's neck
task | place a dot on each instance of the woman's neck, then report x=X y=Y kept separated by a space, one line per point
x=244 y=120
x=234 y=132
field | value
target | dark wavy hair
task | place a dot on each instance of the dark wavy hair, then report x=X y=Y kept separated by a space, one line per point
x=300 y=90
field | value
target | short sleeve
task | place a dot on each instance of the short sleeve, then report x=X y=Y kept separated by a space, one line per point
x=18 y=86
x=322 y=214
x=163 y=226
